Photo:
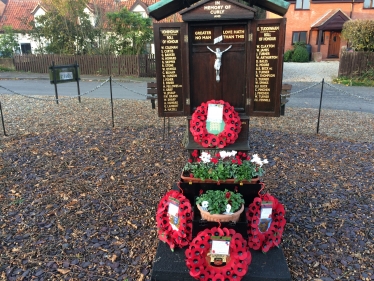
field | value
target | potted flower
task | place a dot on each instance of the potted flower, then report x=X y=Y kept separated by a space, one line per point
x=223 y=167
x=218 y=205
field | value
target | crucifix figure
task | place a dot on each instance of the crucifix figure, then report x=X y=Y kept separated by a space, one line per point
x=217 y=62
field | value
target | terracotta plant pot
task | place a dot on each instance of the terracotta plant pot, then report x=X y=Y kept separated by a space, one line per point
x=228 y=181
x=220 y=217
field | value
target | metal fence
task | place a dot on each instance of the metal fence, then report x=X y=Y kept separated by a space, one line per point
x=124 y=65
x=24 y=114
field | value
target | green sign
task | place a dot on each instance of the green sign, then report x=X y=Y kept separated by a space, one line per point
x=64 y=73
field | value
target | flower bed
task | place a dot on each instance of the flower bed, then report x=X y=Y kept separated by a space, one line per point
x=223 y=165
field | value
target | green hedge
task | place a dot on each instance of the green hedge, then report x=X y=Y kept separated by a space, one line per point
x=360 y=34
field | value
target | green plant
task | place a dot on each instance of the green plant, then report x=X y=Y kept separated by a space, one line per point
x=360 y=34
x=218 y=200
x=366 y=79
x=18 y=201
x=300 y=54
x=287 y=57
x=6 y=69
x=224 y=165
x=8 y=42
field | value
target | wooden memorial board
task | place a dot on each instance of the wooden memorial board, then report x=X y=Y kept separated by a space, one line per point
x=209 y=10
x=171 y=67
x=165 y=8
x=267 y=62
x=250 y=60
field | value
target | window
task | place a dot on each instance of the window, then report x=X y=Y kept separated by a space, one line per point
x=298 y=36
x=303 y=4
x=368 y=4
x=26 y=48
x=322 y=38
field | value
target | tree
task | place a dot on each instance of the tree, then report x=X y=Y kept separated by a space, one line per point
x=8 y=42
x=131 y=31
x=360 y=34
x=66 y=27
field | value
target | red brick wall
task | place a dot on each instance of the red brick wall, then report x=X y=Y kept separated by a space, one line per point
x=302 y=20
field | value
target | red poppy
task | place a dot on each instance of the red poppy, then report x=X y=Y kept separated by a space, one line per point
x=214 y=160
x=199 y=265
x=181 y=236
x=198 y=125
x=211 y=138
x=197 y=139
x=195 y=153
x=272 y=236
x=221 y=143
x=205 y=142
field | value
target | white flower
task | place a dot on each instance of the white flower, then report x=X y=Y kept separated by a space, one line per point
x=205 y=157
x=228 y=210
x=204 y=205
x=233 y=153
x=223 y=154
x=257 y=160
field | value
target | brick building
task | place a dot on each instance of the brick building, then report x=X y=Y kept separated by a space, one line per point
x=319 y=23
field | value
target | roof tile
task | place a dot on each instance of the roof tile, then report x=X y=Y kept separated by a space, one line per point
x=18 y=13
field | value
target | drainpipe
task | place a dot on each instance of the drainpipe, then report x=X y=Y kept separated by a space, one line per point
x=319 y=40
x=351 y=13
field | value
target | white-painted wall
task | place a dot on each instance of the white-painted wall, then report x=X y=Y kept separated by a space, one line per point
x=25 y=38
x=139 y=9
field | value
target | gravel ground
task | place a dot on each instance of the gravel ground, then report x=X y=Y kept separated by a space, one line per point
x=310 y=72
x=78 y=197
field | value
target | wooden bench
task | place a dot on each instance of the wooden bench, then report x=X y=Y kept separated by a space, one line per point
x=285 y=94
x=152 y=93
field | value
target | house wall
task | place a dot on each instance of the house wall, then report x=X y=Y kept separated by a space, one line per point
x=302 y=20
x=24 y=39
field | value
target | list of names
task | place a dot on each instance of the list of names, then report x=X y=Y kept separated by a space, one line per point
x=266 y=63
x=170 y=64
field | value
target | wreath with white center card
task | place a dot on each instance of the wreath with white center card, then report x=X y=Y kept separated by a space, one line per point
x=174 y=219
x=218 y=254
x=215 y=124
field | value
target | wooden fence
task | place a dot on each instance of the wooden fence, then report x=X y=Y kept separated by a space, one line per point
x=354 y=64
x=124 y=65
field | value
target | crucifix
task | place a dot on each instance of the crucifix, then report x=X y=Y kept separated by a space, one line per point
x=217 y=62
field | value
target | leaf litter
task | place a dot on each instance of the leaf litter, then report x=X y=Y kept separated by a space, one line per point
x=78 y=198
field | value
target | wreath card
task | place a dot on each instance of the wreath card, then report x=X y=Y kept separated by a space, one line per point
x=214 y=121
x=173 y=211
x=265 y=217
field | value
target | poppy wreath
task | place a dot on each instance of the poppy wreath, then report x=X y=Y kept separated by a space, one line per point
x=198 y=262
x=182 y=236
x=227 y=136
x=272 y=237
